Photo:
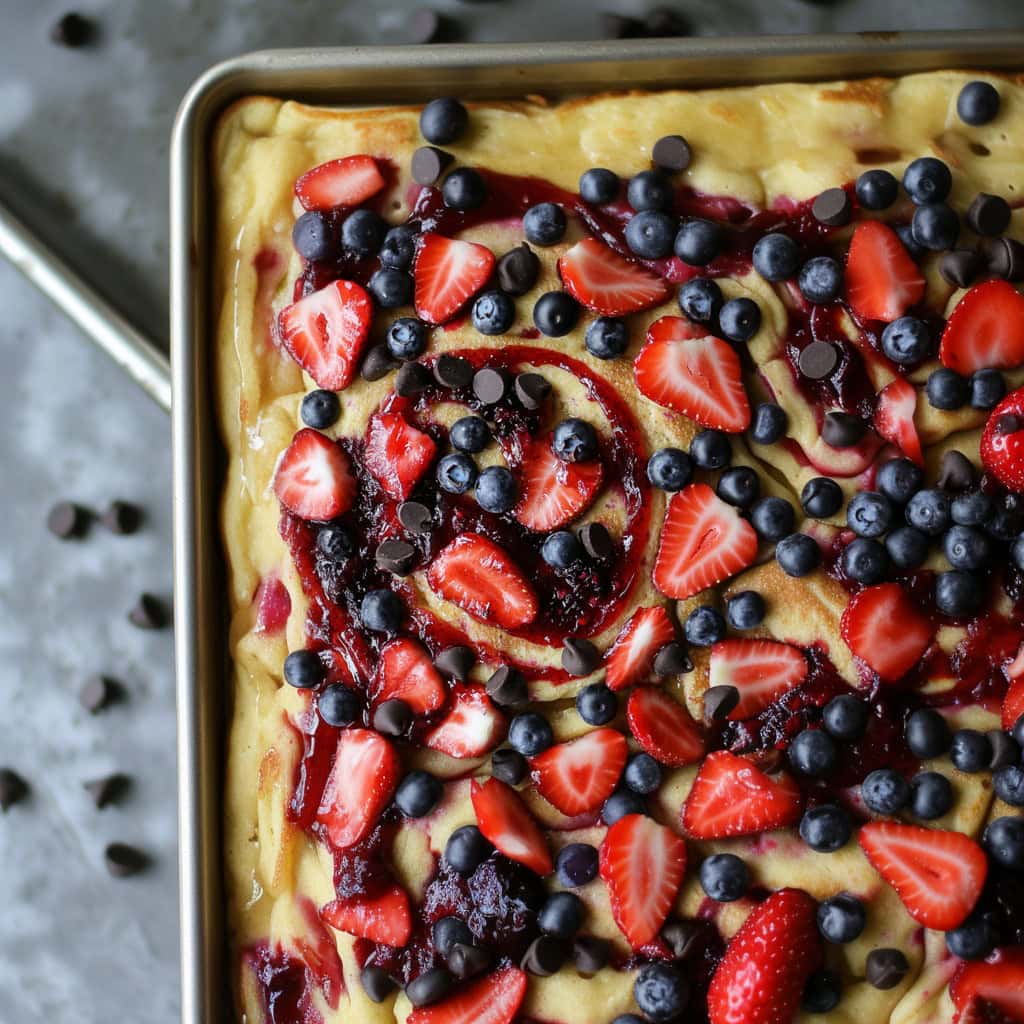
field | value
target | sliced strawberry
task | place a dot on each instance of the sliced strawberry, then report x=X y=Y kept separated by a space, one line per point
x=602 y=280
x=383 y=918
x=325 y=332
x=580 y=775
x=405 y=672
x=552 y=492
x=882 y=280
x=684 y=368
x=761 y=670
x=362 y=780
x=762 y=976
x=703 y=542
x=894 y=418
x=663 y=727
x=492 y=1000
x=631 y=658
x=472 y=727
x=478 y=576
x=314 y=477
x=1002 y=441
x=345 y=182
x=1013 y=703
x=993 y=984
x=448 y=272
x=936 y=873
x=885 y=630
x=732 y=797
x=986 y=329
x=505 y=821
x=642 y=863
x=396 y=453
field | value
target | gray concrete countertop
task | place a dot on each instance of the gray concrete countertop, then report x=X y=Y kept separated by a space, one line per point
x=83 y=156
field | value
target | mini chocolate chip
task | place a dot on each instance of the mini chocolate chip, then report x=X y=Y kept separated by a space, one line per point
x=509 y=766
x=620 y=26
x=149 y=613
x=596 y=541
x=468 y=961
x=672 y=660
x=886 y=968
x=455 y=662
x=73 y=30
x=108 y=790
x=681 y=937
x=429 y=163
x=842 y=430
x=13 y=788
x=395 y=556
x=960 y=267
x=507 y=687
x=832 y=207
x=1004 y=749
x=1004 y=257
x=429 y=987
x=392 y=718
x=665 y=23
x=719 y=701
x=98 y=692
x=376 y=983
x=956 y=472
x=123 y=860
x=545 y=956
x=531 y=390
x=415 y=517
x=411 y=379
x=490 y=385
x=671 y=153
x=988 y=215
x=818 y=360
x=453 y=372
x=518 y=270
x=377 y=363
x=590 y=954
x=67 y=520
x=579 y=657
x=1008 y=423
x=429 y=26
x=121 y=517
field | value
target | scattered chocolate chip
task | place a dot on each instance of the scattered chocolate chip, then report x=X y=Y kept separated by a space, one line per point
x=1004 y=257
x=455 y=662
x=518 y=270
x=377 y=363
x=509 y=766
x=121 y=517
x=468 y=961
x=1008 y=423
x=392 y=718
x=72 y=29
x=429 y=26
x=681 y=937
x=376 y=983
x=13 y=788
x=67 y=520
x=988 y=215
x=429 y=987
x=719 y=701
x=490 y=385
x=453 y=372
x=960 y=267
x=123 y=860
x=665 y=23
x=411 y=379
x=579 y=657
x=671 y=153
x=886 y=968
x=596 y=541
x=415 y=517
x=832 y=207
x=429 y=163
x=149 y=613
x=545 y=956
x=531 y=390
x=108 y=790
x=507 y=687
x=672 y=660
x=842 y=430
x=395 y=556
x=619 y=26
x=98 y=692
x=1004 y=749
x=956 y=472
x=590 y=954
x=818 y=360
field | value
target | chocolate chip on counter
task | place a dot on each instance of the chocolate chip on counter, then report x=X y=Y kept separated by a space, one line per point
x=507 y=687
x=842 y=430
x=468 y=961
x=377 y=363
x=411 y=379
x=545 y=956
x=531 y=390
x=960 y=267
x=73 y=29
x=818 y=360
x=672 y=660
x=719 y=701
x=148 y=613
x=429 y=987
x=886 y=968
x=455 y=662
x=376 y=983
x=98 y=692
x=956 y=472
x=13 y=788
x=490 y=385
x=453 y=372
x=590 y=954
x=1004 y=257
x=665 y=23
x=429 y=26
x=392 y=718
x=121 y=517
x=107 y=790
x=123 y=860
x=672 y=153
x=832 y=207
x=67 y=520
x=1005 y=750
x=429 y=163
x=596 y=541
x=681 y=937
x=395 y=556
x=620 y=26
x=415 y=517
x=579 y=657
x=988 y=215
x=518 y=270
x=509 y=766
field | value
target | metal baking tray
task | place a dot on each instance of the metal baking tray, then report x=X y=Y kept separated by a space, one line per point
x=381 y=75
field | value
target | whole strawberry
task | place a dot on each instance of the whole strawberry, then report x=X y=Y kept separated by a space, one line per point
x=1002 y=442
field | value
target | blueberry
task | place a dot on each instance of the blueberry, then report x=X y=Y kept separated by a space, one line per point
x=334 y=543
x=865 y=561
x=1017 y=552
x=561 y=549
x=1017 y=732
x=407 y=338
x=555 y=314
x=1004 y=841
x=1008 y=784
x=530 y=734
x=978 y=103
x=739 y=486
x=972 y=508
x=575 y=440
x=607 y=337
x=739 y=319
x=885 y=791
x=304 y=669
x=929 y=511
x=338 y=705
x=561 y=915
x=649 y=190
x=704 y=626
x=698 y=242
x=935 y=226
x=597 y=704
x=745 y=610
x=776 y=257
x=899 y=480
x=399 y=247
x=642 y=774
x=314 y=238
x=958 y=594
x=822 y=992
x=826 y=828
x=813 y=752
x=382 y=611
x=821 y=497
x=769 y=423
x=907 y=341
x=841 y=918
x=724 y=877
x=700 y=299
x=798 y=554
x=772 y=518
x=906 y=235
x=946 y=389
x=661 y=991
x=907 y=547
x=877 y=189
x=443 y=121
x=467 y=849
x=621 y=803
x=820 y=280
x=448 y=932
x=391 y=288
x=599 y=186
x=931 y=795
x=496 y=490
x=470 y=434
x=456 y=473
x=927 y=733
x=649 y=234
x=845 y=717
x=576 y=864
x=988 y=388
x=927 y=180
x=493 y=313
x=669 y=469
x=418 y=794
x=544 y=224
x=974 y=939
x=464 y=189
x=710 y=449
x=363 y=232
x=869 y=514
x=966 y=547
x=320 y=409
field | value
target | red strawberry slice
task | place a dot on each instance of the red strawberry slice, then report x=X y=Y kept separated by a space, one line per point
x=937 y=874
x=986 y=329
x=552 y=492
x=505 y=821
x=492 y=1000
x=325 y=332
x=345 y=182
x=704 y=541
x=984 y=986
x=663 y=727
x=894 y=418
x=1013 y=703
x=406 y=672
x=397 y=454
x=882 y=280
x=761 y=670
x=631 y=658
x=642 y=863
x=885 y=630
x=383 y=918
x=766 y=965
x=580 y=775
x=684 y=368
x=478 y=576
x=1002 y=441
x=363 y=778
x=732 y=797
x=472 y=727
x=314 y=477
x=448 y=272
x=602 y=280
